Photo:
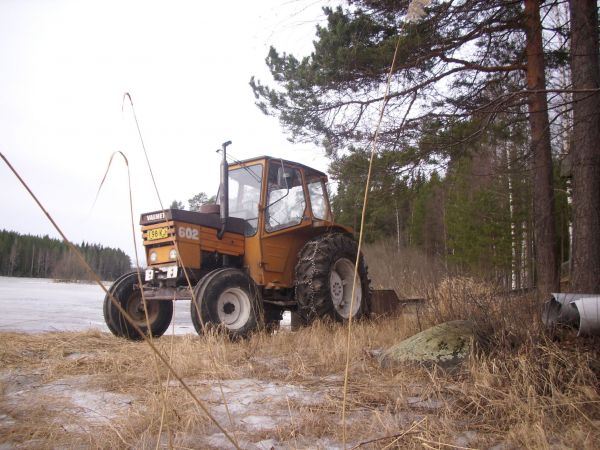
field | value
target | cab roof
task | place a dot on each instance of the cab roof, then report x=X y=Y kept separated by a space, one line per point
x=271 y=158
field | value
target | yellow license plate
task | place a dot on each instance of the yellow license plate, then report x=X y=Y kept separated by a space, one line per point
x=157 y=233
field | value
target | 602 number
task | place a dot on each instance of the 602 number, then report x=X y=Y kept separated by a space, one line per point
x=188 y=233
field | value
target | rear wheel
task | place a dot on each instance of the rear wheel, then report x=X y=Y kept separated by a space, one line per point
x=106 y=309
x=129 y=296
x=324 y=276
x=226 y=299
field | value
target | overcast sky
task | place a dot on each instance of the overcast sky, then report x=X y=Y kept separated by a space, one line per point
x=65 y=66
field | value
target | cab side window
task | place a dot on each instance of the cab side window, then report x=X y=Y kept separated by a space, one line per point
x=318 y=202
x=244 y=195
x=285 y=197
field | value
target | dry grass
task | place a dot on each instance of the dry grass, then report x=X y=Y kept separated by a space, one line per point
x=522 y=390
x=297 y=363
x=541 y=395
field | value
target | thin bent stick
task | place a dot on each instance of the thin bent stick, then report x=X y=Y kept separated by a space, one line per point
x=165 y=395
x=360 y=240
x=174 y=241
x=117 y=305
x=127 y=95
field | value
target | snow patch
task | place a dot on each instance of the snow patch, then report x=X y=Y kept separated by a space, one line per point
x=76 y=404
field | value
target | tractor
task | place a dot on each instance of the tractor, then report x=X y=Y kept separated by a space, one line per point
x=269 y=245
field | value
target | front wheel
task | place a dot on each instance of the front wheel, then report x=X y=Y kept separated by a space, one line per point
x=226 y=299
x=129 y=296
x=324 y=279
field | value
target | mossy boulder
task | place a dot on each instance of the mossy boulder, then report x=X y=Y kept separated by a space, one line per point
x=445 y=345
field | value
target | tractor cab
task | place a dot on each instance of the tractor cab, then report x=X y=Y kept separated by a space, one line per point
x=283 y=204
x=287 y=193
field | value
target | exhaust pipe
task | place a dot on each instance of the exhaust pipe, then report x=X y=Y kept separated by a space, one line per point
x=224 y=191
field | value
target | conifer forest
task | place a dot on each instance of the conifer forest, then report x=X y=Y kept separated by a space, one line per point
x=44 y=257
x=488 y=151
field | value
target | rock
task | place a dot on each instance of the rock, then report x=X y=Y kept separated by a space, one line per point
x=445 y=345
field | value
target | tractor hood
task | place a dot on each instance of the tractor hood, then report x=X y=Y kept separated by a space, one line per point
x=234 y=224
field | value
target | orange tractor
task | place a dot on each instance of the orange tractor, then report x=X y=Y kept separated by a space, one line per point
x=270 y=245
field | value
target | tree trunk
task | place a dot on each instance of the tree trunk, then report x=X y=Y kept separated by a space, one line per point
x=13 y=258
x=508 y=184
x=585 y=152
x=543 y=206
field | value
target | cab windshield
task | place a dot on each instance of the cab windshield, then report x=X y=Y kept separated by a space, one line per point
x=244 y=195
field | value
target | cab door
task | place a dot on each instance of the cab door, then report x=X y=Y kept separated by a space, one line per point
x=286 y=221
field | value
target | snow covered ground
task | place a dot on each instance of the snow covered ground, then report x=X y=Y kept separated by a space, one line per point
x=35 y=305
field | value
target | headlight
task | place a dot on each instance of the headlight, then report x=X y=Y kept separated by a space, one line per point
x=153 y=256
x=173 y=254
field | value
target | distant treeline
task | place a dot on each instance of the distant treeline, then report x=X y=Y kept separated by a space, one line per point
x=44 y=257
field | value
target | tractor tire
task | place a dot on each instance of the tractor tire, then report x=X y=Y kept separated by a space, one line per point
x=160 y=312
x=324 y=275
x=296 y=321
x=106 y=308
x=197 y=318
x=227 y=299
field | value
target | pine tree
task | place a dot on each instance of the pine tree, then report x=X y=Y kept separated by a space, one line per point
x=586 y=146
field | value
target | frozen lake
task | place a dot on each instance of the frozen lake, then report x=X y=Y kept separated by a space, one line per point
x=34 y=305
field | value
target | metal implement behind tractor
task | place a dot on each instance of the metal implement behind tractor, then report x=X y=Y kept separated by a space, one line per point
x=270 y=245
